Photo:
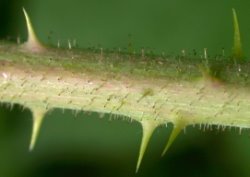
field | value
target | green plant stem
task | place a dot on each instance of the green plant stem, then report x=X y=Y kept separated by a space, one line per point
x=53 y=80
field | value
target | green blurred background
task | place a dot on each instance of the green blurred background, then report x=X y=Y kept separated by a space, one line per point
x=87 y=145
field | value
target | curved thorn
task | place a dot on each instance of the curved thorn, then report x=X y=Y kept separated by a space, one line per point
x=38 y=116
x=32 y=44
x=179 y=124
x=237 y=47
x=148 y=128
x=175 y=132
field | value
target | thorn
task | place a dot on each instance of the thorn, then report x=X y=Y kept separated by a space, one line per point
x=69 y=45
x=178 y=126
x=183 y=52
x=32 y=44
x=237 y=47
x=38 y=116
x=148 y=128
x=58 y=44
x=240 y=130
x=223 y=52
x=205 y=53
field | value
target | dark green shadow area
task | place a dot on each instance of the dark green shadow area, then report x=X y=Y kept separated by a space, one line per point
x=158 y=26
x=87 y=145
